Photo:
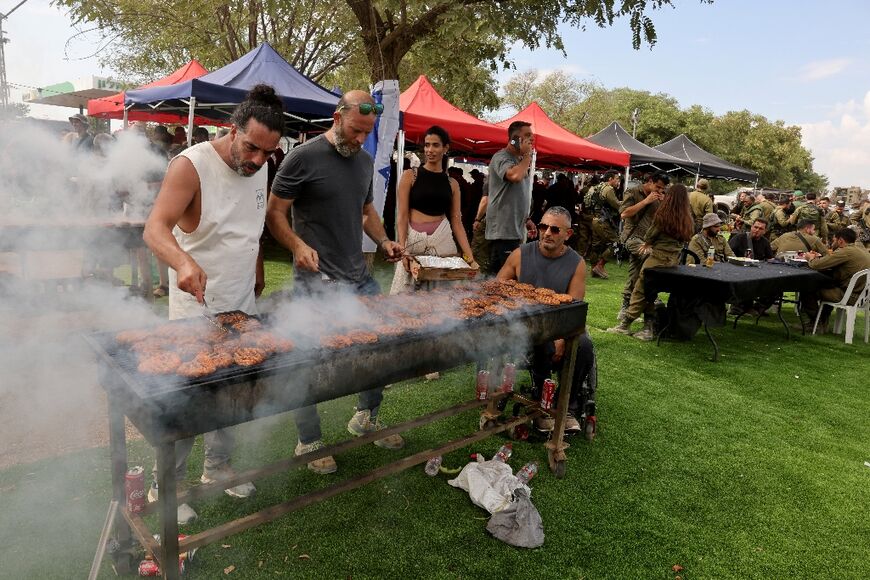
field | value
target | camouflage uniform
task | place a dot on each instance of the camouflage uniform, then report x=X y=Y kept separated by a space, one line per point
x=605 y=224
x=861 y=224
x=700 y=204
x=633 y=230
x=812 y=213
x=700 y=245
x=836 y=221
x=750 y=214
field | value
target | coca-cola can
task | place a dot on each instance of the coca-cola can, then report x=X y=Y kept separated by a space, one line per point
x=547 y=393
x=482 y=385
x=134 y=489
x=149 y=567
x=509 y=375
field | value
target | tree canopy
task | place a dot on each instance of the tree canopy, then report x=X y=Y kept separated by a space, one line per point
x=461 y=43
x=771 y=148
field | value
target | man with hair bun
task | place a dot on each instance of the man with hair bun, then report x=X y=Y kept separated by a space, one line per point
x=206 y=224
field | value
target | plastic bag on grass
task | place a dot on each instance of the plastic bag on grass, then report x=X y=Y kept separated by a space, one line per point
x=520 y=523
x=490 y=484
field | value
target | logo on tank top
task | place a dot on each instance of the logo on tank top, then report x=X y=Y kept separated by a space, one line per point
x=261 y=198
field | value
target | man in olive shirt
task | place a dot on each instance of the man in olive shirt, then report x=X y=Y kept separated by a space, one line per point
x=638 y=207
x=845 y=262
x=709 y=237
x=700 y=203
x=837 y=219
x=779 y=220
x=801 y=240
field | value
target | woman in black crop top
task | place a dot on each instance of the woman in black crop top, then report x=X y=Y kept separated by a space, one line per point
x=428 y=220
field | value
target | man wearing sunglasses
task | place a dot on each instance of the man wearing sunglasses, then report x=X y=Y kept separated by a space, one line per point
x=549 y=263
x=507 y=205
x=328 y=183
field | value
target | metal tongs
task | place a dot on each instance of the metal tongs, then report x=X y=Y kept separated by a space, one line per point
x=207 y=314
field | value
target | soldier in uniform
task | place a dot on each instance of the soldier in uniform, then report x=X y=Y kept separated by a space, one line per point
x=749 y=212
x=779 y=220
x=767 y=207
x=810 y=211
x=700 y=203
x=801 y=240
x=604 y=207
x=861 y=224
x=824 y=205
x=709 y=237
x=847 y=259
x=582 y=240
x=798 y=198
x=639 y=205
x=837 y=219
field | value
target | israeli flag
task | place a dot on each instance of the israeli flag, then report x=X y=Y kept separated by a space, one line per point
x=380 y=146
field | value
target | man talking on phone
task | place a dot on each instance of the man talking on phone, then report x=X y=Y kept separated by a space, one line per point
x=506 y=207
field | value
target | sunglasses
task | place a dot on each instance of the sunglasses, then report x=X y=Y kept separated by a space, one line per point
x=544 y=227
x=366 y=108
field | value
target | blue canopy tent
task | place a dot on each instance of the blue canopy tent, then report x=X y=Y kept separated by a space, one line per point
x=216 y=94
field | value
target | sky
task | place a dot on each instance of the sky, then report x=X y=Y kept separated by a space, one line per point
x=804 y=62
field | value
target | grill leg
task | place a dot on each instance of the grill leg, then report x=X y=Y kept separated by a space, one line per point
x=168 y=510
x=556 y=446
x=123 y=557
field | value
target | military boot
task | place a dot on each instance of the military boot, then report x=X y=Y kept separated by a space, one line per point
x=621 y=314
x=646 y=333
x=624 y=327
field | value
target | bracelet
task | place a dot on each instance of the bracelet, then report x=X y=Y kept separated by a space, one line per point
x=382 y=242
x=468 y=259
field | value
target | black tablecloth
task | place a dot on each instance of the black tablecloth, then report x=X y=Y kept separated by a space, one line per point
x=729 y=283
x=699 y=294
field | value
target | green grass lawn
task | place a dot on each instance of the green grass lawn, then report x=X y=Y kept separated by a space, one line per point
x=747 y=468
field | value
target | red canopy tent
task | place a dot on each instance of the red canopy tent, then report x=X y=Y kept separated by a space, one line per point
x=422 y=107
x=555 y=144
x=112 y=107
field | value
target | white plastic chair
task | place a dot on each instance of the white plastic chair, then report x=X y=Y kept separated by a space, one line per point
x=851 y=311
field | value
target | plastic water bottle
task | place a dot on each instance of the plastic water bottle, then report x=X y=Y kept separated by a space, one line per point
x=528 y=471
x=433 y=466
x=504 y=453
x=711 y=257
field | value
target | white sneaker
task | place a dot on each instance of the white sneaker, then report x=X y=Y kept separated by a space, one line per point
x=361 y=424
x=241 y=491
x=184 y=514
x=322 y=466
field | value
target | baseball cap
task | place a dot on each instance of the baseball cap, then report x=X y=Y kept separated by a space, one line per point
x=79 y=117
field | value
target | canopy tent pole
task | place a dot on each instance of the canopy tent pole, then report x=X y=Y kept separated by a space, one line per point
x=125 y=122
x=190 y=121
x=627 y=176
x=532 y=170
x=400 y=163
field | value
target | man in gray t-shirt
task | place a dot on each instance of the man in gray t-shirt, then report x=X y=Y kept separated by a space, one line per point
x=510 y=195
x=329 y=193
x=328 y=184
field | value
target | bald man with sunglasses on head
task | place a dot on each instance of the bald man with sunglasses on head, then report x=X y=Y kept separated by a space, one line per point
x=328 y=183
x=549 y=263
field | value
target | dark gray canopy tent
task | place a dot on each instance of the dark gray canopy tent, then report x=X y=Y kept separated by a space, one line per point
x=704 y=163
x=615 y=137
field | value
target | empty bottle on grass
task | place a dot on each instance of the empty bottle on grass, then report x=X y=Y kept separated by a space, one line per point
x=504 y=453
x=528 y=471
x=433 y=466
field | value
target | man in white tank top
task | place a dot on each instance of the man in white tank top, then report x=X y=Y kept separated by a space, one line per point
x=206 y=224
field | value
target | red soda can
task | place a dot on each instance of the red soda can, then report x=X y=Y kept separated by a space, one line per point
x=482 y=385
x=148 y=568
x=547 y=394
x=509 y=375
x=134 y=489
